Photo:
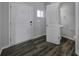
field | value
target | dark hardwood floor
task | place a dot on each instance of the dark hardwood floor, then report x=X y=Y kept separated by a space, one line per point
x=40 y=47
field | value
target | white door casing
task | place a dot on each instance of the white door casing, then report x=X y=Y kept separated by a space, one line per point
x=77 y=28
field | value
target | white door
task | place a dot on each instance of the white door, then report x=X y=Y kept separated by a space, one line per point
x=21 y=23
x=52 y=28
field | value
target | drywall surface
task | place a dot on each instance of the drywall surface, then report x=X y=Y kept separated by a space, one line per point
x=39 y=25
x=4 y=24
x=0 y=24
x=67 y=13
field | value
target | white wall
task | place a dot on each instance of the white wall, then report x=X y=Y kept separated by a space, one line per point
x=39 y=27
x=38 y=23
x=67 y=12
x=0 y=24
x=4 y=24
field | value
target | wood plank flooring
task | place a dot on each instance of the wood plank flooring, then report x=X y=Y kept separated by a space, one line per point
x=40 y=47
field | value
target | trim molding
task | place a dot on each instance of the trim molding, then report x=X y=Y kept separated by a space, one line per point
x=0 y=51
x=77 y=53
x=5 y=47
x=38 y=36
x=67 y=37
x=20 y=42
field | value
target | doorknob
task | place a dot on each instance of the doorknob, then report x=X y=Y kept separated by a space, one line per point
x=30 y=21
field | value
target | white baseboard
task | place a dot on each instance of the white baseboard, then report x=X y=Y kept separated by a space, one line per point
x=11 y=45
x=77 y=52
x=5 y=47
x=20 y=42
x=0 y=51
x=38 y=36
x=67 y=37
